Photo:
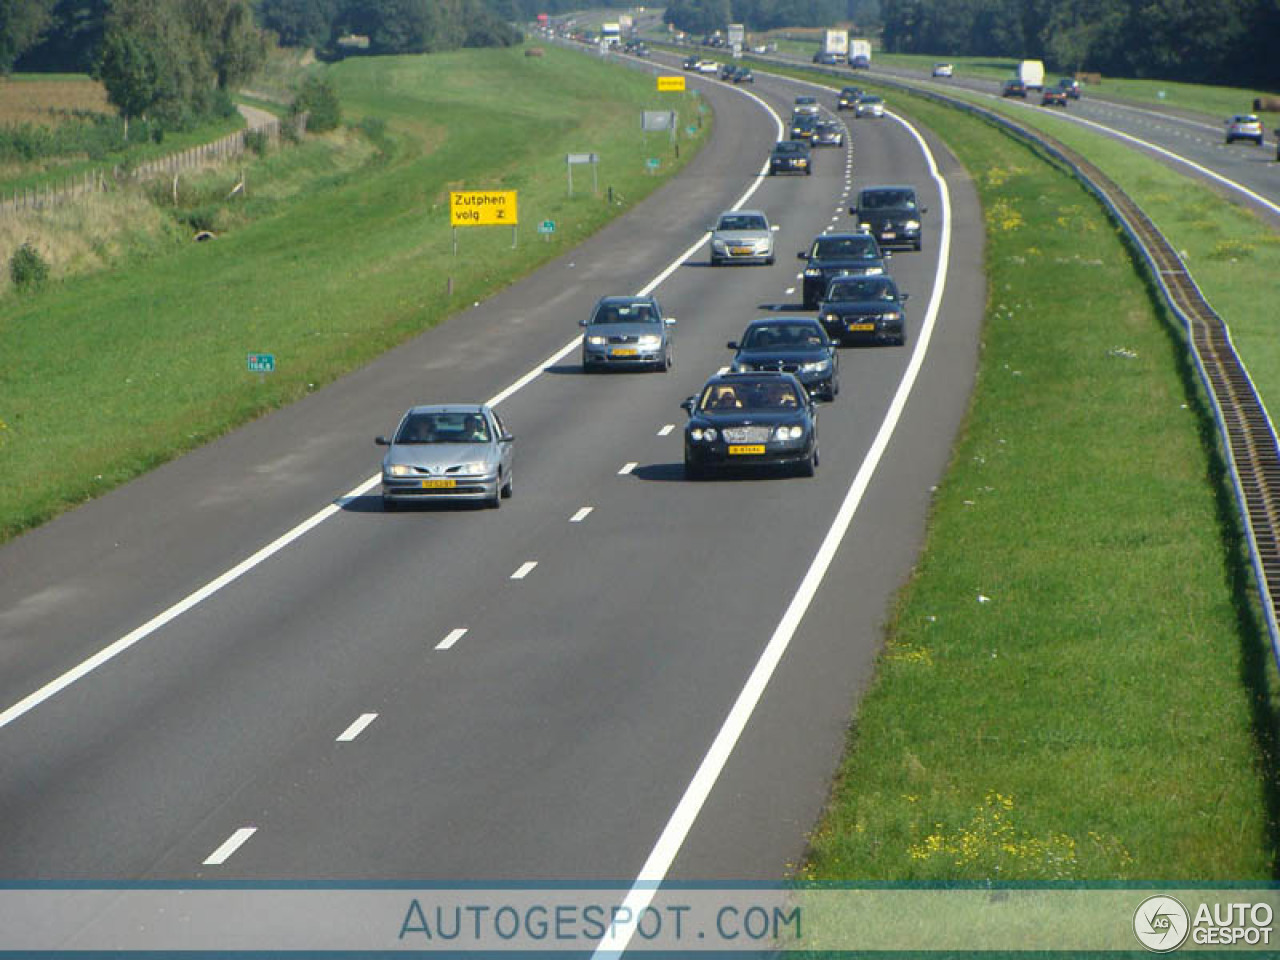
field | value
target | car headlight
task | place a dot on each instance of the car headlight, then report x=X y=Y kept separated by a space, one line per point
x=596 y=340
x=864 y=227
x=832 y=318
x=399 y=470
x=874 y=271
x=894 y=316
x=912 y=224
x=650 y=341
x=815 y=367
x=793 y=432
x=477 y=466
x=740 y=366
x=707 y=434
x=718 y=245
x=812 y=272
x=801 y=162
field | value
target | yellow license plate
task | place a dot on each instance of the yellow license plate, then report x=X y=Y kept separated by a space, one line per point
x=888 y=234
x=737 y=449
x=862 y=327
x=625 y=352
x=741 y=251
x=441 y=484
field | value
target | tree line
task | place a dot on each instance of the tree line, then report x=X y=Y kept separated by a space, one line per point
x=1226 y=42
x=706 y=16
x=175 y=62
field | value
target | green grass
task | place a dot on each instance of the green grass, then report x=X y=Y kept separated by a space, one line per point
x=1106 y=712
x=153 y=356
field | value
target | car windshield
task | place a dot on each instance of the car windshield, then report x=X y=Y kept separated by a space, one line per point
x=742 y=221
x=750 y=395
x=444 y=428
x=872 y=100
x=624 y=313
x=805 y=101
x=887 y=199
x=847 y=291
x=788 y=146
x=787 y=336
x=845 y=248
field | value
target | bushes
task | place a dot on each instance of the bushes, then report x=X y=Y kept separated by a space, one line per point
x=319 y=100
x=28 y=269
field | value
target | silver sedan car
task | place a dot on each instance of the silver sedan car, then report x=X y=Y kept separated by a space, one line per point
x=627 y=332
x=741 y=236
x=453 y=451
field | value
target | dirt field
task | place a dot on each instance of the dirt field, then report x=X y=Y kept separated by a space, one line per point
x=44 y=100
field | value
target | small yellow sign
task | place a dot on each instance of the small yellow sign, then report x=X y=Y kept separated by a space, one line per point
x=670 y=84
x=482 y=208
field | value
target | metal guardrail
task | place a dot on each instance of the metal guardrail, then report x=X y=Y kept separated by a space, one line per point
x=1248 y=436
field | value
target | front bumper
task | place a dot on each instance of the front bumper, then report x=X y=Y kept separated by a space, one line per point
x=789 y=166
x=412 y=489
x=621 y=356
x=740 y=253
x=864 y=329
x=776 y=453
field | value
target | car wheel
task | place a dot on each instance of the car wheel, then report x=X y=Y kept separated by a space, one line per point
x=668 y=359
x=494 y=502
x=808 y=172
x=508 y=488
x=807 y=468
x=918 y=245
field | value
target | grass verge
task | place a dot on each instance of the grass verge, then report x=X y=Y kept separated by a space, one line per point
x=1075 y=684
x=153 y=356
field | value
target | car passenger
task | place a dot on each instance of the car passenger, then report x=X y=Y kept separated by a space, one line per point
x=477 y=431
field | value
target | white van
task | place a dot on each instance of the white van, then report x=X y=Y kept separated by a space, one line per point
x=1031 y=73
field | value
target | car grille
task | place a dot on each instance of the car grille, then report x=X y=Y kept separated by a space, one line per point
x=769 y=365
x=746 y=434
x=624 y=338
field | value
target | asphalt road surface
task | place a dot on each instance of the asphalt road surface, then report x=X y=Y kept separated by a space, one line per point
x=228 y=736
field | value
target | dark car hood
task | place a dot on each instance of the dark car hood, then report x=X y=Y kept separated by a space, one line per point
x=888 y=213
x=858 y=308
x=809 y=354
x=853 y=266
x=735 y=418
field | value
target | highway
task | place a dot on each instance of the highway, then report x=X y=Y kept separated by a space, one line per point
x=520 y=694
x=1188 y=142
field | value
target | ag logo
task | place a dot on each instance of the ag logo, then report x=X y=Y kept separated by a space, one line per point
x=1161 y=924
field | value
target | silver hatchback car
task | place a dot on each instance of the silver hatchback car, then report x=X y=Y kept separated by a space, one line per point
x=628 y=332
x=741 y=236
x=453 y=451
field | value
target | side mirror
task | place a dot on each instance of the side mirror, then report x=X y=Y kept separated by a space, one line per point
x=888 y=254
x=506 y=438
x=687 y=405
x=382 y=441
x=924 y=210
x=904 y=296
x=802 y=255
x=670 y=321
x=853 y=211
x=582 y=322
x=732 y=344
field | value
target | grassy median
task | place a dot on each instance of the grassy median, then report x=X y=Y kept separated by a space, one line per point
x=1075 y=684
x=153 y=354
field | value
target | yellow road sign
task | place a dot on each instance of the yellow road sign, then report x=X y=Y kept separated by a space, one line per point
x=482 y=208
x=672 y=84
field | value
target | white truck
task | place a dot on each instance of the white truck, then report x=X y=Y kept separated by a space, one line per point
x=610 y=34
x=860 y=54
x=1031 y=73
x=737 y=38
x=835 y=47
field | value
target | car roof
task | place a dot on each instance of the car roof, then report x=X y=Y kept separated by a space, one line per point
x=742 y=213
x=624 y=299
x=1245 y=118
x=847 y=235
x=806 y=99
x=773 y=321
x=886 y=187
x=447 y=408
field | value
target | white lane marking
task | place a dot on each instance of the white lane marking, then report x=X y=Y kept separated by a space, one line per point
x=524 y=570
x=581 y=515
x=654 y=871
x=790 y=290
x=627 y=468
x=230 y=846
x=453 y=637
x=666 y=429
x=109 y=652
x=357 y=728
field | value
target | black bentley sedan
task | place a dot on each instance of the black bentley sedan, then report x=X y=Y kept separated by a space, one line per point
x=750 y=420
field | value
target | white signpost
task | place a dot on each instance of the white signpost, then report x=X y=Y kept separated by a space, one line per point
x=572 y=160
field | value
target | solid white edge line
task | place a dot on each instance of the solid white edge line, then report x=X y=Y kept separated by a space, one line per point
x=230 y=846
x=356 y=728
x=627 y=468
x=451 y=638
x=581 y=515
x=114 y=649
x=654 y=871
x=524 y=570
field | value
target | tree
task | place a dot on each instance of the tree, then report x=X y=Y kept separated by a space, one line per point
x=130 y=73
x=299 y=23
x=21 y=24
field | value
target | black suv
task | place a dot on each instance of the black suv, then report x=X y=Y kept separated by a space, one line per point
x=790 y=156
x=839 y=255
x=891 y=215
x=848 y=98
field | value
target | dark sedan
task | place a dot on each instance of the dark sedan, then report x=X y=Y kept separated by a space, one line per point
x=1053 y=97
x=790 y=156
x=891 y=215
x=750 y=420
x=848 y=98
x=795 y=345
x=1014 y=87
x=839 y=254
x=864 y=310
x=803 y=126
